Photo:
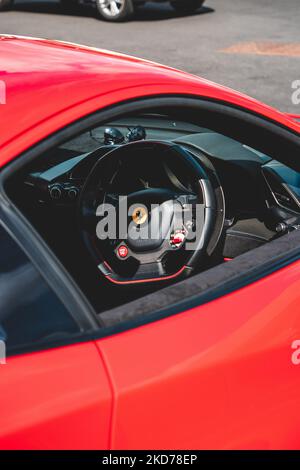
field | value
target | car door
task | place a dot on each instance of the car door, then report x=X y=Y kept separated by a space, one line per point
x=51 y=398
x=217 y=376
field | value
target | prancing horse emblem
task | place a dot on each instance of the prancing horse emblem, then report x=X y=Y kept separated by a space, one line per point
x=139 y=215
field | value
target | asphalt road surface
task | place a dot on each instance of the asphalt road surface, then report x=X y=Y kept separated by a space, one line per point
x=250 y=45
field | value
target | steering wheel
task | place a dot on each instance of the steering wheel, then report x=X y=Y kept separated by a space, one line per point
x=154 y=233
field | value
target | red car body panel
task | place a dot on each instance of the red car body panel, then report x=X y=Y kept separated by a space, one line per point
x=56 y=399
x=295 y=117
x=217 y=376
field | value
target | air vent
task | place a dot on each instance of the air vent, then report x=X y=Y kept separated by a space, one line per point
x=282 y=195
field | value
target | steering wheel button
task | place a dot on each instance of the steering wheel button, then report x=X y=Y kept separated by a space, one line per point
x=177 y=239
x=122 y=251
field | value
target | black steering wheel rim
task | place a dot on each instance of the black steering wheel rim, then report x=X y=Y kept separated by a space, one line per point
x=94 y=193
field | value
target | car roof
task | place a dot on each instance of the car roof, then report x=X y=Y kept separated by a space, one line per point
x=49 y=84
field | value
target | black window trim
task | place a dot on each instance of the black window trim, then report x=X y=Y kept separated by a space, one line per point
x=50 y=267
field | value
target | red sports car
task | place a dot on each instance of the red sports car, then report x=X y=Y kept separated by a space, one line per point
x=155 y=342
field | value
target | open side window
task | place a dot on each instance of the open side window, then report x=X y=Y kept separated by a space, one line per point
x=255 y=162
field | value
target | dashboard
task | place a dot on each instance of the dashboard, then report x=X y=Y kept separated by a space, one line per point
x=254 y=185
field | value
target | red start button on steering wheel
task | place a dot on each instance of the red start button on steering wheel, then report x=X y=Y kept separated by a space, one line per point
x=177 y=239
x=122 y=251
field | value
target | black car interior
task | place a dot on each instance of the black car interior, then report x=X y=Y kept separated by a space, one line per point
x=249 y=200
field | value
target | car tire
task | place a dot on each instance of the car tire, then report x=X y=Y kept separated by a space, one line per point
x=115 y=10
x=5 y=4
x=187 y=6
